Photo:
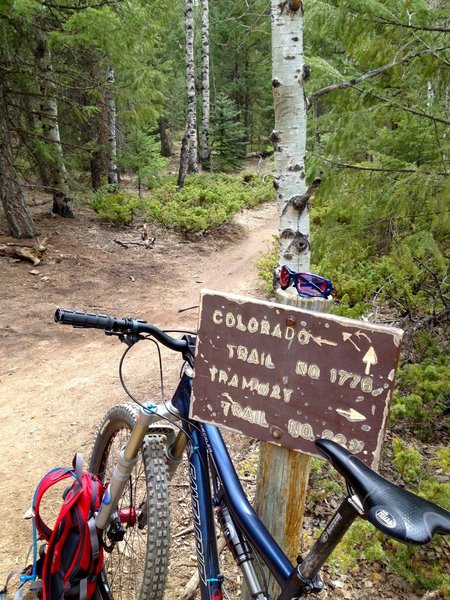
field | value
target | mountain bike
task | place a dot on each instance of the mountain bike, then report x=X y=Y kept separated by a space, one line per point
x=137 y=452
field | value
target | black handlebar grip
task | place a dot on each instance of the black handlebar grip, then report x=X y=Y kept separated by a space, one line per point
x=76 y=318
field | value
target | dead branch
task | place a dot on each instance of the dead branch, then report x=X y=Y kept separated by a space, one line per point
x=439 y=29
x=24 y=251
x=148 y=243
x=352 y=82
x=184 y=532
x=193 y=583
x=180 y=310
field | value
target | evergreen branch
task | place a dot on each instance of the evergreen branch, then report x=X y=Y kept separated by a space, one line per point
x=20 y=131
x=342 y=165
x=383 y=21
x=78 y=7
x=370 y=224
x=414 y=111
x=356 y=80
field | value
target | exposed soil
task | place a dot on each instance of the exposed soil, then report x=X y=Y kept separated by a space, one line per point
x=57 y=383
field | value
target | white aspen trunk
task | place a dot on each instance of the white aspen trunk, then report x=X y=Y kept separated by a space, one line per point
x=62 y=201
x=190 y=89
x=205 y=150
x=113 y=175
x=189 y=150
x=289 y=135
x=283 y=474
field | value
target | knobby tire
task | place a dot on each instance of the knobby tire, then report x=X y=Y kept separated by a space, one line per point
x=135 y=568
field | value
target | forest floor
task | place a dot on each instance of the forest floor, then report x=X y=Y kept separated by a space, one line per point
x=56 y=383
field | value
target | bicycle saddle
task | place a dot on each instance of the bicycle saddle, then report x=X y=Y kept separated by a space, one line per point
x=392 y=509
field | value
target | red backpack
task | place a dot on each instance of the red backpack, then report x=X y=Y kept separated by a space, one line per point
x=74 y=554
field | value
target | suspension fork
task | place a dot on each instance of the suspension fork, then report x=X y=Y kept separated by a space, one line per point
x=127 y=458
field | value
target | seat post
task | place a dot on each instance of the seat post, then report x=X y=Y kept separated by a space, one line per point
x=328 y=540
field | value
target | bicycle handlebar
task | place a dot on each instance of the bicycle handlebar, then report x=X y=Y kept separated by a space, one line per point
x=76 y=318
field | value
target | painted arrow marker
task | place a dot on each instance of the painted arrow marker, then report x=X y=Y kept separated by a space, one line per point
x=360 y=334
x=319 y=340
x=370 y=358
x=351 y=415
x=347 y=337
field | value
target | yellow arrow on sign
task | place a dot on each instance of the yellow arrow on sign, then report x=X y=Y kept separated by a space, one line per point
x=320 y=340
x=351 y=415
x=360 y=334
x=347 y=337
x=370 y=358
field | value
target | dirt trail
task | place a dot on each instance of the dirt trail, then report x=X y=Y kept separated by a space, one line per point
x=56 y=383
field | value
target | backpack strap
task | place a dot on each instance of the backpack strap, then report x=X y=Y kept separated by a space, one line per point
x=94 y=538
x=35 y=585
x=84 y=589
x=51 y=478
x=93 y=534
x=4 y=590
x=77 y=464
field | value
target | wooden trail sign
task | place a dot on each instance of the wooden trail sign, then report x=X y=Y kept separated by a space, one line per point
x=288 y=376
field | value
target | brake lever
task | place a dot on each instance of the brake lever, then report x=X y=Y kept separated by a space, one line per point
x=129 y=338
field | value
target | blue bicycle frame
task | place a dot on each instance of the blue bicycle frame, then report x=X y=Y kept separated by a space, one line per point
x=208 y=455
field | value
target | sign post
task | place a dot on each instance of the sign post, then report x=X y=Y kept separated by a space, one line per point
x=283 y=474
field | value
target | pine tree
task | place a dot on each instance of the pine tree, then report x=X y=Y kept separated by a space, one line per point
x=241 y=65
x=227 y=135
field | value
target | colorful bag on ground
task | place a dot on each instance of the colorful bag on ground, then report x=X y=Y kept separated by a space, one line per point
x=74 y=554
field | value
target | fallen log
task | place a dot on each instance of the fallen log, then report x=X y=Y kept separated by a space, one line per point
x=24 y=251
x=148 y=243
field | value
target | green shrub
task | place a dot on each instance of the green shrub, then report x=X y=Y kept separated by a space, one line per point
x=406 y=460
x=420 y=400
x=267 y=263
x=142 y=156
x=206 y=201
x=118 y=208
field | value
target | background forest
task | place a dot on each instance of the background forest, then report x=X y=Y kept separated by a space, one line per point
x=93 y=104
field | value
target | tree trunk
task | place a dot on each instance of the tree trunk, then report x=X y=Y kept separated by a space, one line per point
x=99 y=156
x=62 y=201
x=289 y=135
x=205 y=151
x=283 y=474
x=113 y=174
x=184 y=158
x=166 y=148
x=33 y=145
x=20 y=223
x=96 y=170
x=189 y=147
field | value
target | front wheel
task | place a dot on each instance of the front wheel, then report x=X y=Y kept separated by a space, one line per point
x=136 y=567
